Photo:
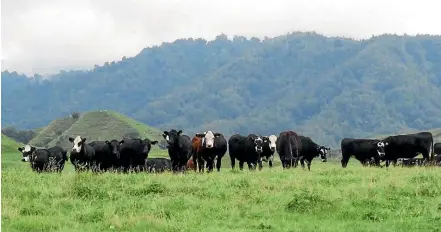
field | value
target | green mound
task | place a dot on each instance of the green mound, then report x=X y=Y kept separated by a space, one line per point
x=52 y=131
x=9 y=145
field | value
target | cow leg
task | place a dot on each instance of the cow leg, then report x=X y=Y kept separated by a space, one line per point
x=270 y=162
x=218 y=163
x=195 y=161
x=241 y=165
x=309 y=164
x=260 y=164
x=302 y=163
x=201 y=164
x=233 y=161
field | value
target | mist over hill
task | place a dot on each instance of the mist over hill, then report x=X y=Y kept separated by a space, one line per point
x=326 y=88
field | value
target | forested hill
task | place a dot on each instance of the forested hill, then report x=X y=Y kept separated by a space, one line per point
x=327 y=88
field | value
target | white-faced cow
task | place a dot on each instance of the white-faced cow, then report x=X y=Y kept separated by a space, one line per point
x=82 y=155
x=213 y=146
x=310 y=149
x=408 y=146
x=289 y=146
x=245 y=149
x=179 y=148
x=134 y=153
x=364 y=150
x=44 y=160
x=269 y=147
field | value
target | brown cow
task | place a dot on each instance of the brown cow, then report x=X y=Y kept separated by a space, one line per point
x=190 y=164
x=196 y=147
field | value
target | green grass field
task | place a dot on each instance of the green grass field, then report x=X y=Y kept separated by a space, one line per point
x=327 y=198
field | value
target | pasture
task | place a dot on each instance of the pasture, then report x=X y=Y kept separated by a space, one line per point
x=327 y=198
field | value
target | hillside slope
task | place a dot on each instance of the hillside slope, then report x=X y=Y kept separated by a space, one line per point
x=94 y=125
x=9 y=145
x=326 y=88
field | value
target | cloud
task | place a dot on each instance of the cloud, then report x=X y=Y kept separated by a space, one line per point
x=48 y=35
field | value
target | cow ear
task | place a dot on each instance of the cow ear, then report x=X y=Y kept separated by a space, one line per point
x=386 y=143
x=200 y=135
x=154 y=142
x=121 y=142
x=83 y=140
x=217 y=134
x=107 y=142
x=20 y=149
x=165 y=132
x=33 y=148
x=71 y=139
x=179 y=132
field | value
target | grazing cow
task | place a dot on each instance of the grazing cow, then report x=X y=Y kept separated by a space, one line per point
x=214 y=146
x=289 y=146
x=269 y=147
x=196 y=146
x=45 y=159
x=107 y=154
x=310 y=149
x=364 y=150
x=158 y=165
x=82 y=154
x=437 y=148
x=134 y=153
x=179 y=148
x=408 y=146
x=245 y=149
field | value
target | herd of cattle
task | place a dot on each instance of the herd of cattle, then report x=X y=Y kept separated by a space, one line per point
x=205 y=150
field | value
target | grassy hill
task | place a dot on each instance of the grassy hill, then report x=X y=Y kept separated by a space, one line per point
x=9 y=145
x=94 y=125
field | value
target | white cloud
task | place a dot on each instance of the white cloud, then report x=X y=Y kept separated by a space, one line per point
x=45 y=36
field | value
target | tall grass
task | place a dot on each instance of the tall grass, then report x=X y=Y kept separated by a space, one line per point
x=327 y=198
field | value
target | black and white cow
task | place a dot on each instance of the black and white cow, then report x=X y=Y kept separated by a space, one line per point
x=408 y=146
x=214 y=146
x=134 y=153
x=107 y=154
x=245 y=149
x=310 y=149
x=289 y=146
x=364 y=150
x=269 y=147
x=158 y=165
x=44 y=160
x=82 y=155
x=179 y=148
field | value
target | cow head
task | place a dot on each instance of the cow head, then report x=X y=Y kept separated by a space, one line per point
x=208 y=138
x=171 y=136
x=77 y=143
x=258 y=144
x=272 y=139
x=323 y=153
x=148 y=145
x=114 y=146
x=381 y=147
x=27 y=152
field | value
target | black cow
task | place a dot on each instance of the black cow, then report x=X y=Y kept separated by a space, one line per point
x=408 y=146
x=82 y=155
x=437 y=148
x=310 y=149
x=179 y=148
x=411 y=162
x=158 y=165
x=269 y=147
x=214 y=146
x=289 y=146
x=364 y=150
x=245 y=149
x=134 y=153
x=44 y=159
x=107 y=154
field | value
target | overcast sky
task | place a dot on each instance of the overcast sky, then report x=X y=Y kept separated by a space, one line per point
x=44 y=36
